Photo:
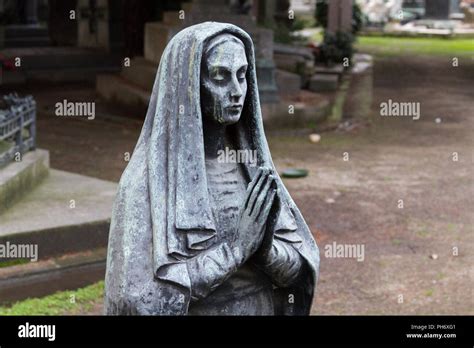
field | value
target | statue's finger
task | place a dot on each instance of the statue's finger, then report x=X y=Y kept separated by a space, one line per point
x=262 y=195
x=254 y=195
x=263 y=215
x=252 y=184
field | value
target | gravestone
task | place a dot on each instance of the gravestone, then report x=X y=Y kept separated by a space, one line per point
x=202 y=223
x=440 y=9
x=290 y=82
x=359 y=96
x=100 y=25
x=93 y=26
x=323 y=82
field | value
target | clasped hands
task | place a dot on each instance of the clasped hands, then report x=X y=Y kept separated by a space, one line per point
x=256 y=212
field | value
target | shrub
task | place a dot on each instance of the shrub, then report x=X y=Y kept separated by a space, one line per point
x=336 y=47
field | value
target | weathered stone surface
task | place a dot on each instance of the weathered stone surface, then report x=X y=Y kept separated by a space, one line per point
x=264 y=39
x=18 y=178
x=115 y=88
x=99 y=37
x=287 y=82
x=230 y=219
x=313 y=109
x=323 y=82
x=304 y=52
x=359 y=98
x=336 y=69
x=48 y=207
x=291 y=63
x=339 y=16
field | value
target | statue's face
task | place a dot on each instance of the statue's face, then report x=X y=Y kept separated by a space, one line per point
x=223 y=82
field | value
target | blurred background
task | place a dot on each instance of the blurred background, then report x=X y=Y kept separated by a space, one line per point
x=396 y=186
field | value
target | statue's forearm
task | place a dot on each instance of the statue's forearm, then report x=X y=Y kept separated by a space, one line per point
x=211 y=268
x=283 y=263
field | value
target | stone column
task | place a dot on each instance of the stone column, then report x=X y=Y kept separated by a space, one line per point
x=340 y=15
x=31 y=12
x=266 y=11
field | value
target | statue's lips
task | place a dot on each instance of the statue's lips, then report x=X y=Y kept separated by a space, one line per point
x=236 y=107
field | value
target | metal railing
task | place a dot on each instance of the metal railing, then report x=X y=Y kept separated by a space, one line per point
x=17 y=126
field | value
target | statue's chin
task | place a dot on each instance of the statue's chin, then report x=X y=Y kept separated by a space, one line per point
x=230 y=119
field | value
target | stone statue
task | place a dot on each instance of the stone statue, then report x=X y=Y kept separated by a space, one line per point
x=192 y=233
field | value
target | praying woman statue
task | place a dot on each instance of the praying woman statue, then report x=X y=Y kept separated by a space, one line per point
x=192 y=234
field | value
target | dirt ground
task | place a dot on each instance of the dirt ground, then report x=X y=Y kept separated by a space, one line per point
x=417 y=259
x=409 y=251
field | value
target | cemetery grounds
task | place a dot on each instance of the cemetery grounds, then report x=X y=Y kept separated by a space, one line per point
x=390 y=184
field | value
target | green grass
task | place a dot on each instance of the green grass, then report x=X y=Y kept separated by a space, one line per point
x=60 y=303
x=396 y=241
x=423 y=233
x=451 y=227
x=317 y=37
x=395 y=46
x=13 y=262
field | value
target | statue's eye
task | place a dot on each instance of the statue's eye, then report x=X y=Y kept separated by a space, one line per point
x=241 y=74
x=218 y=74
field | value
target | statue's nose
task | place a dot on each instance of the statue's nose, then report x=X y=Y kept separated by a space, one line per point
x=236 y=91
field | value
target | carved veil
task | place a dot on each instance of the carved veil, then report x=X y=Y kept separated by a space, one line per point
x=162 y=214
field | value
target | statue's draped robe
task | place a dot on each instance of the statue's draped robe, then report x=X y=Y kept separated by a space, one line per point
x=163 y=228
